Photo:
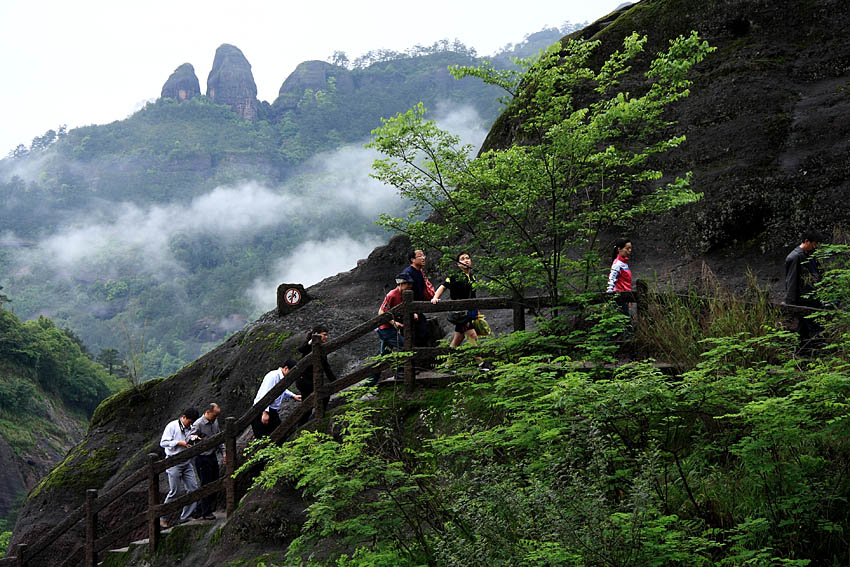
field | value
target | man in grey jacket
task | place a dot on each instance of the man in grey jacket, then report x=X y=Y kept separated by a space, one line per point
x=207 y=462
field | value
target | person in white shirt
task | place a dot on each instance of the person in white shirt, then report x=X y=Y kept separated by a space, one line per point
x=268 y=421
x=175 y=439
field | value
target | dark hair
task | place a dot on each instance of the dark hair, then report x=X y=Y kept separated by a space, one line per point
x=457 y=258
x=619 y=243
x=320 y=328
x=191 y=413
x=813 y=236
x=288 y=363
x=411 y=255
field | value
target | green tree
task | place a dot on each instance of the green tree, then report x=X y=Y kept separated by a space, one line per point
x=110 y=358
x=340 y=59
x=580 y=164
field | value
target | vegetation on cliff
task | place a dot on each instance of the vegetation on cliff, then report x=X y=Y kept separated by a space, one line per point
x=47 y=378
x=36 y=357
x=738 y=459
x=533 y=212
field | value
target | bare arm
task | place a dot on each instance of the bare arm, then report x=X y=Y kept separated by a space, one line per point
x=438 y=293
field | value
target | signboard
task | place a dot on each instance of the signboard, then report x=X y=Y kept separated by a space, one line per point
x=290 y=297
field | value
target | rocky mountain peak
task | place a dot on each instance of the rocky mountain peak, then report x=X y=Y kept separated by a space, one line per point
x=315 y=76
x=231 y=82
x=182 y=84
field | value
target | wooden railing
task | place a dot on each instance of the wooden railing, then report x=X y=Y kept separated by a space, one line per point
x=317 y=402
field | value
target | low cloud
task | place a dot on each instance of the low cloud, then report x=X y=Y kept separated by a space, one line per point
x=462 y=121
x=115 y=240
x=310 y=263
x=127 y=230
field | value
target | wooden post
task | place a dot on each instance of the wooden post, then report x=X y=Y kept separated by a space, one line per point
x=91 y=528
x=320 y=402
x=230 y=434
x=409 y=339
x=153 y=502
x=519 y=313
x=21 y=556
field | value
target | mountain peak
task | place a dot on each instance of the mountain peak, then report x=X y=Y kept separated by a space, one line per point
x=182 y=84
x=231 y=82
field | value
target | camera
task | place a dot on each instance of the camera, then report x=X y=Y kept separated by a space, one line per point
x=193 y=440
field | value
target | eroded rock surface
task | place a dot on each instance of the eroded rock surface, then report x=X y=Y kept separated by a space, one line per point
x=231 y=82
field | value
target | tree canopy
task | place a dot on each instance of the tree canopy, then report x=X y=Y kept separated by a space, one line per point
x=580 y=164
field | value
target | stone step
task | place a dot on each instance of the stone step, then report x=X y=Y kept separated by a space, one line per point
x=220 y=517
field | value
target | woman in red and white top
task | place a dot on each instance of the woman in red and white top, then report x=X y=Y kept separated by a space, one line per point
x=620 y=277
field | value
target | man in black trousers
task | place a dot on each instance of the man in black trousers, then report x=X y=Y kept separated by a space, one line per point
x=207 y=462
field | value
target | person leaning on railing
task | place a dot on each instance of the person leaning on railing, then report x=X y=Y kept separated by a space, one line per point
x=268 y=421
x=318 y=334
x=175 y=438
x=390 y=333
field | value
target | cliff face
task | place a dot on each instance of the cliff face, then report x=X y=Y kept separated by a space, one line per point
x=766 y=128
x=28 y=451
x=231 y=82
x=182 y=84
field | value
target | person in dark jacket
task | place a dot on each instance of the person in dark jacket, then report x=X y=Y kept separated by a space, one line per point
x=207 y=463
x=801 y=273
x=318 y=334
x=423 y=290
x=460 y=286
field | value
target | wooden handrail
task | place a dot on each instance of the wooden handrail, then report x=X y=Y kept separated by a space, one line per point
x=317 y=400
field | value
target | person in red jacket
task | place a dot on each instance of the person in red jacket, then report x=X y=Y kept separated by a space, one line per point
x=620 y=276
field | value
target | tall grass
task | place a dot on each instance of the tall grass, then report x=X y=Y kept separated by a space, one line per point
x=673 y=324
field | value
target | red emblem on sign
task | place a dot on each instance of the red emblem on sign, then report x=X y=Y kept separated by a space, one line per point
x=292 y=296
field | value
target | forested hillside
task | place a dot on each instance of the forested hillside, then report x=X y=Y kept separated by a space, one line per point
x=49 y=386
x=159 y=235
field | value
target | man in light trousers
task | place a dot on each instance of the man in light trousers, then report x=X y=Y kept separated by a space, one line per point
x=176 y=438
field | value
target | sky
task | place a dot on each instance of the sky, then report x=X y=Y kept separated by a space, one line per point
x=96 y=61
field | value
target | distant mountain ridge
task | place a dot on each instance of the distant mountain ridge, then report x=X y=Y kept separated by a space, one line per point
x=179 y=151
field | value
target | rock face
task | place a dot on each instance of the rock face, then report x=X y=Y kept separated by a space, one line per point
x=182 y=84
x=767 y=134
x=23 y=463
x=231 y=82
x=315 y=76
